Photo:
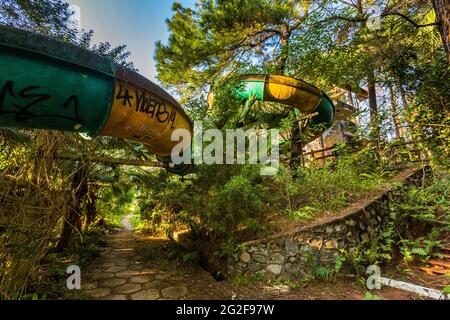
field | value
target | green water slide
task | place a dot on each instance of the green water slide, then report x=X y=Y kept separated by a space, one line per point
x=48 y=84
x=294 y=94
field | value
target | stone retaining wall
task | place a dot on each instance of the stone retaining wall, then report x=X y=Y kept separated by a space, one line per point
x=297 y=254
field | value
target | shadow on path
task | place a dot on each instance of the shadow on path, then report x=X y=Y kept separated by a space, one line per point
x=123 y=274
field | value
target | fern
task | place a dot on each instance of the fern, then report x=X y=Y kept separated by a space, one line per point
x=324 y=273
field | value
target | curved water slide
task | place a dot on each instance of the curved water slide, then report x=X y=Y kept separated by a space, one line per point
x=293 y=93
x=48 y=84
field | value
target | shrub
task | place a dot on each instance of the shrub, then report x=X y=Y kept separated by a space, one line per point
x=219 y=203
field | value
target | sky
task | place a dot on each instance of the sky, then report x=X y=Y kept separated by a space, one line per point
x=136 y=23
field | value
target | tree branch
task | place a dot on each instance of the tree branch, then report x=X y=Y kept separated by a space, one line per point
x=410 y=20
x=355 y=19
x=110 y=161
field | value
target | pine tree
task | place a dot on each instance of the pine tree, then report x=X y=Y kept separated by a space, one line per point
x=442 y=8
x=220 y=36
x=48 y=17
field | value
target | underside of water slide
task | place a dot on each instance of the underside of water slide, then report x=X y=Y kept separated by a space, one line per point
x=48 y=84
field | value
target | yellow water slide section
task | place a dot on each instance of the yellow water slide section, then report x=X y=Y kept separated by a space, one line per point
x=142 y=115
x=288 y=91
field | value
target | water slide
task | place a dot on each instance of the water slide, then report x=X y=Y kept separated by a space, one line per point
x=48 y=84
x=293 y=93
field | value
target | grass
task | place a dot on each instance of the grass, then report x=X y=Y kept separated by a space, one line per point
x=240 y=281
x=314 y=191
x=290 y=283
x=323 y=189
x=370 y=296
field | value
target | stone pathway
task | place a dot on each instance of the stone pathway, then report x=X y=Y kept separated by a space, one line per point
x=121 y=274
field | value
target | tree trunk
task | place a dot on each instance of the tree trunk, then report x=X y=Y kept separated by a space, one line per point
x=373 y=104
x=442 y=8
x=119 y=162
x=91 y=204
x=412 y=130
x=296 y=146
x=322 y=146
x=354 y=120
x=395 y=114
x=409 y=133
x=72 y=221
x=282 y=59
x=358 y=123
x=359 y=7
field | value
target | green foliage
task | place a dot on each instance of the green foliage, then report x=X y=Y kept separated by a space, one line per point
x=115 y=202
x=226 y=109
x=304 y=213
x=51 y=284
x=370 y=296
x=323 y=189
x=419 y=221
x=428 y=204
x=220 y=201
x=223 y=201
x=190 y=257
x=49 y=17
x=240 y=281
x=217 y=37
x=422 y=249
x=324 y=273
x=118 y=54
x=31 y=296
x=379 y=249
x=428 y=109
x=339 y=262
x=93 y=240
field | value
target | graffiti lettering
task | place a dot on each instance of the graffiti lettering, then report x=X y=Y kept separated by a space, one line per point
x=172 y=118
x=144 y=104
x=162 y=114
x=125 y=97
x=30 y=100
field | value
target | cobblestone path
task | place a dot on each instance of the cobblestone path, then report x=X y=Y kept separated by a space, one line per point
x=121 y=274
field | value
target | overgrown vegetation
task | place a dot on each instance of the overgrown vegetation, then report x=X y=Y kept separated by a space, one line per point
x=55 y=211
x=224 y=205
x=418 y=229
